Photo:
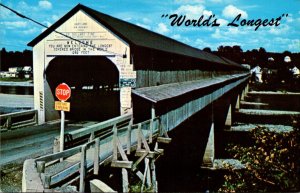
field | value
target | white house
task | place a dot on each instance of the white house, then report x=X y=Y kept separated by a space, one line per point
x=258 y=72
x=295 y=71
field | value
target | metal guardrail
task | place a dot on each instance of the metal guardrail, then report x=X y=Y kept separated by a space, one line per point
x=18 y=119
x=125 y=137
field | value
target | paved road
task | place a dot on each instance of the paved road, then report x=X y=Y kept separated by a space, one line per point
x=30 y=142
x=12 y=100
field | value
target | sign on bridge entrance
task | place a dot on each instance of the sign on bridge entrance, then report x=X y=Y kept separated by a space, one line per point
x=63 y=92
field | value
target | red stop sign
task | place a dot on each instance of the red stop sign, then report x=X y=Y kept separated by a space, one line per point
x=63 y=92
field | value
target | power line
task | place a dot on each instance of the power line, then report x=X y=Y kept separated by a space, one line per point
x=67 y=36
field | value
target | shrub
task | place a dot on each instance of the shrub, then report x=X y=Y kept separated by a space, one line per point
x=272 y=164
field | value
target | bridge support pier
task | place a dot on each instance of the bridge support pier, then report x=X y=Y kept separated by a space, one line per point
x=228 y=121
x=209 y=154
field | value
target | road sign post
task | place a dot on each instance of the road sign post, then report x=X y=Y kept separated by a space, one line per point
x=63 y=93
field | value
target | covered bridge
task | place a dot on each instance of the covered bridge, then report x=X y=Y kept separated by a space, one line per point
x=103 y=59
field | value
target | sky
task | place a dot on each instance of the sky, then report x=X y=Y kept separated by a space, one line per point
x=16 y=32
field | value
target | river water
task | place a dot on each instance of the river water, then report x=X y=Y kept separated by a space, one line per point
x=19 y=90
x=15 y=98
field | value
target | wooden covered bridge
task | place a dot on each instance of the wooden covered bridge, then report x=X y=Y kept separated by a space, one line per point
x=115 y=68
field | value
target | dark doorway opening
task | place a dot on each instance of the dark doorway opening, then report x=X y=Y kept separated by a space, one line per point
x=94 y=81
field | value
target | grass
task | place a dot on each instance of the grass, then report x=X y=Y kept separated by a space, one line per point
x=15 y=79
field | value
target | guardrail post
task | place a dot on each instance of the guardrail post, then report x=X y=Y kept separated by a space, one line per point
x=129 y=137
x=35 y=117
x=8 y=122
x=115 y=138
x=40 y=165
x=139 y=140
x=151 y=131
x=96 y=156
x=82 y=168
x=47 y=181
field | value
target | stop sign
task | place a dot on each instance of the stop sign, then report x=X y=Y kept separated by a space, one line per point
x=63 y=92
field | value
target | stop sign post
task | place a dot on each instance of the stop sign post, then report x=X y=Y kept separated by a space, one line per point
x=63 y=93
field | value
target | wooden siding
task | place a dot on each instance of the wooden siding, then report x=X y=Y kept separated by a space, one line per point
x=146 y=78
x=174 y=117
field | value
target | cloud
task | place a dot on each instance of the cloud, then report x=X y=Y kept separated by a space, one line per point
x=191 y=11
x=231 y=11
x=14 y=24
x=294 y=45
x=146 y=20
x=290 y=19
x=278 y=30
x=30 y=31
x=162 y=28
x=144 y=26
x=200 y=43
x=217 y=34
x=189 y=1
x=216 y=1
x=55 y=17
x=45 y=4
x=223 y=22
x=178 y=37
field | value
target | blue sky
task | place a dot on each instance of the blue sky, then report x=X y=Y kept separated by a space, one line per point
x=16 y=32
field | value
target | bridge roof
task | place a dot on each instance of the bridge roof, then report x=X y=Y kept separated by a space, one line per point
x=138 y=36
x=156 y=94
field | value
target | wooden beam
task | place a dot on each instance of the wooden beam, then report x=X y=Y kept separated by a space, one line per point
x=139 y=175
x=125 y=181
x=121 y=150
x=121 y=164
x=143 y=139
x=129 y=137
x=149 y=154
x=134 y=167
x=166 y=140
x=115 y=143
x=139 y=140
x=153 y=172
x=96 y=156
x=82 y=168
x=99 y=186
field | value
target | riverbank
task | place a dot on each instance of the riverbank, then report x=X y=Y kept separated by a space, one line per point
x=28 y=83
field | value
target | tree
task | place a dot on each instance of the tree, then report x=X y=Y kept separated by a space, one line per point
x=271 y=164
x=207 y=49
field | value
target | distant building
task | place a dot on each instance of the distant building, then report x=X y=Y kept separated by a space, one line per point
x=258 y=72
x=27 y=71
x=295 y=71
x=15 y=72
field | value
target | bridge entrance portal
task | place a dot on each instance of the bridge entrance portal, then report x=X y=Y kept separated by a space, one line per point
x=94 y=81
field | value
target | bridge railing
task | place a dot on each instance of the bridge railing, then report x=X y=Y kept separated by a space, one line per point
x=81 y=136
x=87 y=157
x=18 y=119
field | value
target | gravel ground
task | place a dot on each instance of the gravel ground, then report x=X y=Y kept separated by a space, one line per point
x=11 y=178
x=248 y=127
x=267 y=112
x=271 y=93
x=225 y=163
